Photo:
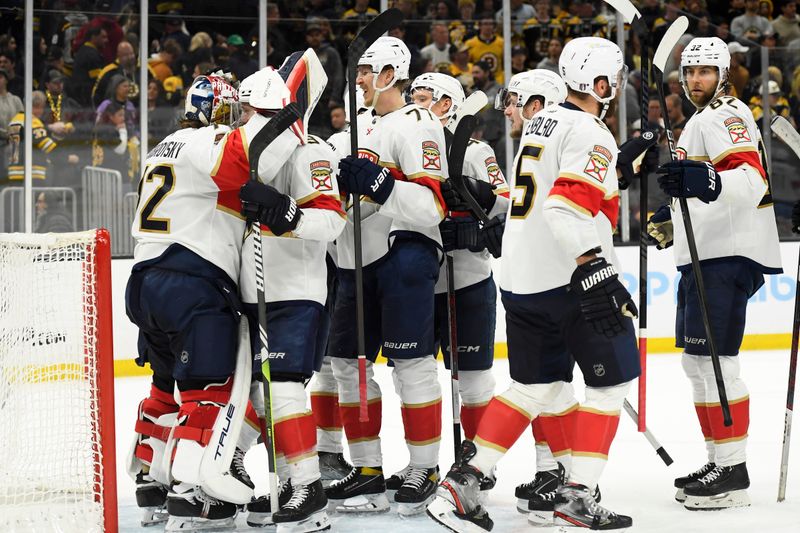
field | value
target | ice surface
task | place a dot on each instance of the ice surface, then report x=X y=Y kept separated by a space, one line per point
x=635 y=482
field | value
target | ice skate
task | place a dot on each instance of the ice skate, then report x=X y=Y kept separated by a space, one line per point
x=151 y=497
x=363 y=490
x=681 y=482
x=575 y=506
x=332 y=467
x=259 y=511
x=456 y=504
x=723 y=487
x=466 y=453
x=543 y=482
x=417 y=491
x=396 y=480
x=541 y=506
x=305 y=511
x=191 y=509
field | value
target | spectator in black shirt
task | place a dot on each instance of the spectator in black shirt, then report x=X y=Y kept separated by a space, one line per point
x=88 y=64
x=240 y=62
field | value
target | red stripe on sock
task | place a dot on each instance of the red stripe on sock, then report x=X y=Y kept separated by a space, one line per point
x=423 y=423
x=470 y=418
x=356 y=430
x=740 y=413
x=538 y=434
x=702 y=416
x=325 y=408
x=559 y=431
x=594 y=432
x=296 y=436
x=501 y=424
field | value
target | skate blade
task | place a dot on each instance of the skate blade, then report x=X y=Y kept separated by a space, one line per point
x=411 y=509
x=442 y=511
x=680 y=496
x=259 y=519
x=365 y=503
x=153 y=516
x=540 y=518
x=522 y=506
x=727 y=500
x=318 y=521
x=183 y=523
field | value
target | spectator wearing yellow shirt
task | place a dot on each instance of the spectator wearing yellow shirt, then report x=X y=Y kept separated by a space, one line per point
x=488 y=48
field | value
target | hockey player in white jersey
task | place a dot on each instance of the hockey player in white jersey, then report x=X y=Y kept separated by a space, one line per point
x=722 y=172
x=568 y=303
x=400 y=167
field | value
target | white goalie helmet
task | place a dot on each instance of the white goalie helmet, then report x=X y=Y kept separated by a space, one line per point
x=441 y=85
x=387 y=52
x=706 y=51
x=585 y=59
x=538 y=82
x=266 y=90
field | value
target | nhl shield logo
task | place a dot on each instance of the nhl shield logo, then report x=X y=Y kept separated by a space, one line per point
x=599 y=370
x=431 y=157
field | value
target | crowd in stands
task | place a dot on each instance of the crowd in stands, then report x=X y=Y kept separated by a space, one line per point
x=86 y=67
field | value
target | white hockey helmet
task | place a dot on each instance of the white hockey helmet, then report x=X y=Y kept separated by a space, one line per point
x=267 y=90
x=441 y=85
x=537 y=82
x=210 y=100
x=585 y=59
x=387 y=52
x=706 y=51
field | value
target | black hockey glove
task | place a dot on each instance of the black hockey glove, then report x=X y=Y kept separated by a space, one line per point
x=604 y=300
x=796 y=217
x=690 y=179
x=659 y=227
x=361 y=176
x=629 y=151
x=480 y=190
x=490 y=236
x=269 y=206
x=459 y=233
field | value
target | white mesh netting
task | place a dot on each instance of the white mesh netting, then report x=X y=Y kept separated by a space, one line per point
x=50 y=440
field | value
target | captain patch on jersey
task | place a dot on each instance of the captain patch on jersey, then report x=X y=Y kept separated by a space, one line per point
x=737 y=130
x=598 y=163
x=431 y=157
x=321 y=175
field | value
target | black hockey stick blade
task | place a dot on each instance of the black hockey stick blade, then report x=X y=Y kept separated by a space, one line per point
x=280 y=122
x=455 y=163
x=391 y=18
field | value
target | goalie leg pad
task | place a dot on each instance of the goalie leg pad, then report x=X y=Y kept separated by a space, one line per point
x=295 y=432
x=421 y=397
x=476 y=388
x=362 y=437
x=156 y=416
x=325 y=407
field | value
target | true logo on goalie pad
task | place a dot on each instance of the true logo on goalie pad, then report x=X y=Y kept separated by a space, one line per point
x=737 y=130
x=599 y=161
x=431 y=157
x=221 y=441
x=321 y=175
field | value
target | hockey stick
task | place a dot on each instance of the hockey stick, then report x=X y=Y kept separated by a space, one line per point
x=461 y=136
x=455 y=165
x=649 y=436
x=673 y=33
x=279 y=123
x=368 y=35
x=471 y=106
x=785 y=132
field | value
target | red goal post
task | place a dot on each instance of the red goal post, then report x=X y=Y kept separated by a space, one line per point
x=57 y=437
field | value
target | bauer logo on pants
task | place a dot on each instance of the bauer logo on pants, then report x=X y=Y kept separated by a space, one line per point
x=321 y=175
x=431 y=157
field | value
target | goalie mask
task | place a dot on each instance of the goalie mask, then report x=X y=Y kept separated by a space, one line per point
x=212 y=100
x=526 y=85
x=585 y=59
x=706 y=51
x=306 y=80
x=440 y=85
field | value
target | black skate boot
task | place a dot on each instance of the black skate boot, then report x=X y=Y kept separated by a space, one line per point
x=466 y=453
x=456 y=505
x=191 y=509
x=363 y=490
x=721 y=488
x=681 y=482
x=544 y=482
x=396 y=480
x=542 y=505
x=259 y=511
x=305 y=511
x=417 y=490
x=151 y=497
x=332 y=467
x=575 y=506
x=237 y=468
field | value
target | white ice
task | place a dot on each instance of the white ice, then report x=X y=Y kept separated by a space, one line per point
x=635 y=481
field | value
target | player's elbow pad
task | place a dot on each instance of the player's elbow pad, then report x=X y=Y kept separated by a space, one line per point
x=742 y=185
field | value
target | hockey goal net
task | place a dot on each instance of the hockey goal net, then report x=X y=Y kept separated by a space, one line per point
x=57 y=458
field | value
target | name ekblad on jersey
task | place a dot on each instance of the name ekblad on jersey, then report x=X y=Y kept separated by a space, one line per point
x=431 y=157
x=599 y=161
x=737 y=130
x=493 y=169
x=321 y=175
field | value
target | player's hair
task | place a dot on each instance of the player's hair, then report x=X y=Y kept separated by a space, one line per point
x=402 y=85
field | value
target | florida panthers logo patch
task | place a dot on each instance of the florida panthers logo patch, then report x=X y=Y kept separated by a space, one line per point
x=321 y=176
x=431 y=157
x=599 y=161
x=737 y=130
x=493 y=169
x=363 y=153
x=680 y=153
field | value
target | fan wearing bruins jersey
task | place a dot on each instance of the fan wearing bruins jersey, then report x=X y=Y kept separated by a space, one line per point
x=569 y=303
x=487 y=47
x=721 y=170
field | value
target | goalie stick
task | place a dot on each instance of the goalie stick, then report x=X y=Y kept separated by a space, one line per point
x=279 y=123
x=673 y=33
x=471 y=106
x=369 y=34
x=785 y=132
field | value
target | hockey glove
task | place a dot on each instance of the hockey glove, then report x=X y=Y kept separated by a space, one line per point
x=490 y=236
x=265 y=204
x=603 y=298
x=482 y=191
x=659 y=227
x=796 y=217
x=361 y=176
x=629 y=152
x=459 y=233
x=690 y=179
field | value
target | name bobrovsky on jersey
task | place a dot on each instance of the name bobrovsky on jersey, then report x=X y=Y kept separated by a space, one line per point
x=168 y=149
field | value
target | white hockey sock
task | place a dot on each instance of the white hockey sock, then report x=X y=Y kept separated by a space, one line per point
x=295 y=432
x=325 y=406
x=363 y=438
x=692 y=368
x=421 y=397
